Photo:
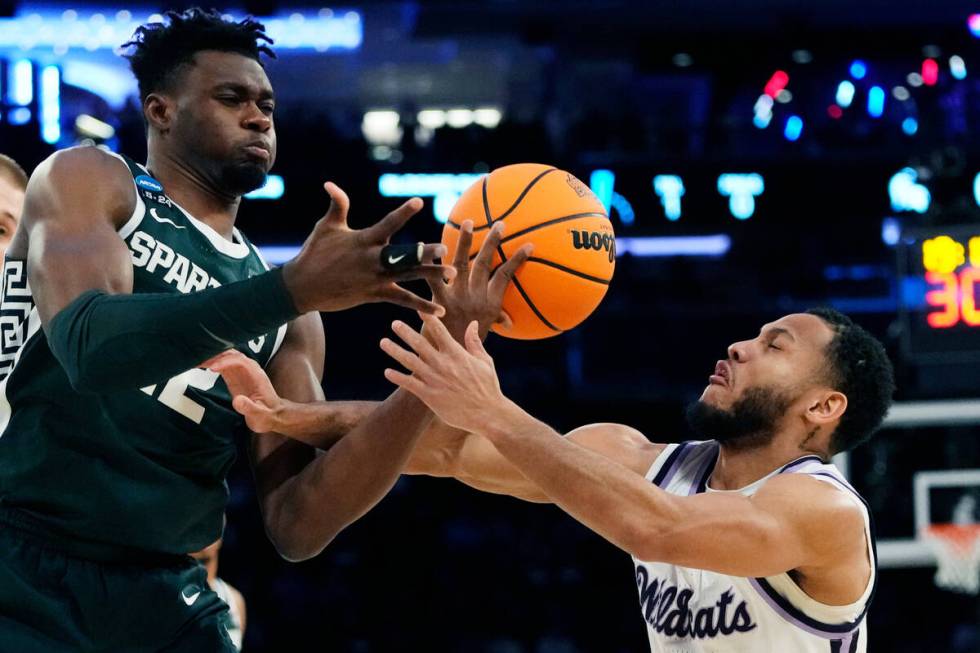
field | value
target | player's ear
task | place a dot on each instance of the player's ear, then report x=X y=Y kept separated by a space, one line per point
x=158 y=109
x=826 y=407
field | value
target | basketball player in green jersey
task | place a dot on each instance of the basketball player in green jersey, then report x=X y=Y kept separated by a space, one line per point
x=121 y=281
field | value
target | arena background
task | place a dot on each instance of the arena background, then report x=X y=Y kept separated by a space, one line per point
x=758 y=158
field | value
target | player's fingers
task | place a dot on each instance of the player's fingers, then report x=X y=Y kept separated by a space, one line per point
x=221 y=359
x=505 y=320
x=473 y=343
x=431 y=273
x=391 y=223
x=410 y=383
x=419 y=344
x=462 y=259
x=339 y=205
x=397 y=295
x=440 y=335
x=251 y=409
x=505 y=273
x=405 y=358
x=436 y=286
x=483 y=262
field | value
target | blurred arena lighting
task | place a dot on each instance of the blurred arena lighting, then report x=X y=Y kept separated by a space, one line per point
x=488 y=117
x=876 y=101
x=61 y=31
x=712 y=246
x=858 y=69
x=670 y=190
x=112 y=83
x=380 y=127
x=19 y=116
x=91 y=127
x=910 y=125
x=914 y=79
x=623 y=209
x=845 y=94
x=802 y=56
x=445 y=188
x=784 y=96
x=602 y=182
x=20 y=85
x=741 y=189
x=459 y=117
x=906 y=194
x=431 y=118
x=891 y=231
x=776 y=83
x=660 y=246
x=50 y=104
x=834 y=111
x=930 y=72
x=957 y=67
x=763 y=111
x=901 y=93
x=682 y=60
x=973 y=24
x=273 y=189
x=976 y=189
x=793 y=129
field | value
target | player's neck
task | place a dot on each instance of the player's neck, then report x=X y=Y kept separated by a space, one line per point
x=194 y=193
x=738 y=467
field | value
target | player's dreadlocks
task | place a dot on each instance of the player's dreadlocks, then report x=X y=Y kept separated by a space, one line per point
x=159 y=49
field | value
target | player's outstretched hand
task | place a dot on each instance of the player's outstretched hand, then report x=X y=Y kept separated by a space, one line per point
x=339 y=267
x=458 y=382
x=477 y=292
x=251 y=391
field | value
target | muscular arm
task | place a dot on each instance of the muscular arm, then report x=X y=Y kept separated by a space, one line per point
x=80 y=274
x=445 y=451
x=307 y=496
x=792 y=523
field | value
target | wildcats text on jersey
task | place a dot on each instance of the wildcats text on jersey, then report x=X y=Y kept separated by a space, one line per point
x=674 y=612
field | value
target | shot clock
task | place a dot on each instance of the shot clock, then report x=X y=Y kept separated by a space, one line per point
x=940 y=298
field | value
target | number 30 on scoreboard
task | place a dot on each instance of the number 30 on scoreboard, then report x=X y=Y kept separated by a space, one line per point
x=955 y=298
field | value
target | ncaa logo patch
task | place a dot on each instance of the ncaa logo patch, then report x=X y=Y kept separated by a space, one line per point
x=149 y=183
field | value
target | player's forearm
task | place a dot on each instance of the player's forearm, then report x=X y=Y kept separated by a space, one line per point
x=108 y=343
x=608 y=498
x=444 y=451
x=345 y=482
x=321 y=423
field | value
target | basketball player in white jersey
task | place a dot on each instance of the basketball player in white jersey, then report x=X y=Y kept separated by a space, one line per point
x=748 y=540
x=208 y=556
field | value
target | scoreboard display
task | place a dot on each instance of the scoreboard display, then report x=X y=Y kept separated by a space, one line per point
x=940 y=294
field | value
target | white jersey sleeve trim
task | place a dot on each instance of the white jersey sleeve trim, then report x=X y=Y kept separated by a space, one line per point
x=139 y=210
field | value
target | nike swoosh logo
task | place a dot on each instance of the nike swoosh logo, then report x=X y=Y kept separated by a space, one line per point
x=153 y=214
x=394 y=259
x=222 y=341
x=189 y=600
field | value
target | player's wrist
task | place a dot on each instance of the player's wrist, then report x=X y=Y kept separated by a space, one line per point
x=504 y=420
x=294 y=288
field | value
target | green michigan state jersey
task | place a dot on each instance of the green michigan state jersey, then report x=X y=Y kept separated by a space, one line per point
x=141 y=470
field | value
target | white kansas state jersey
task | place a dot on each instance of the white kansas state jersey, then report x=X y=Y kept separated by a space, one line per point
x=695 y=611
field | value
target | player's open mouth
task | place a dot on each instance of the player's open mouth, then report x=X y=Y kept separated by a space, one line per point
x=722 y=375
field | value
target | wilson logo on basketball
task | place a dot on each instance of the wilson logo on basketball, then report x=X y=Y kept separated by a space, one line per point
x=582 y=239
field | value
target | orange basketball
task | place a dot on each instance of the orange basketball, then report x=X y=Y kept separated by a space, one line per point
x=574 y=245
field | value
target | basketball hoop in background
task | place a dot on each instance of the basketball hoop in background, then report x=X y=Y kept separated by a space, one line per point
x=957 y=549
